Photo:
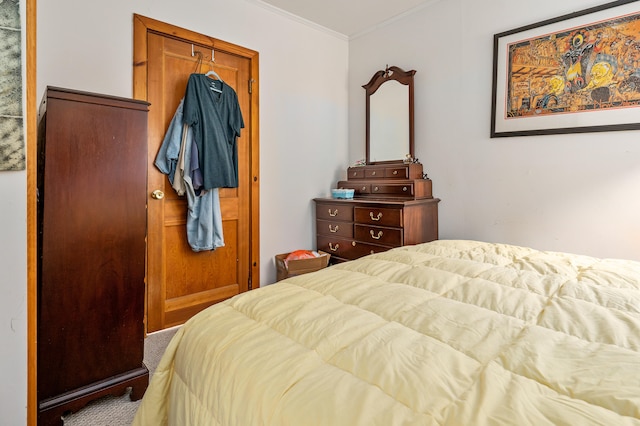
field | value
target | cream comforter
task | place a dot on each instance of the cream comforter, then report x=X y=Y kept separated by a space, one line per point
x=443 y=333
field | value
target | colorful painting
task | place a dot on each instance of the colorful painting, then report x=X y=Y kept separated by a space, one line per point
x=12 y=153
x=555 y=79
x=596 y=66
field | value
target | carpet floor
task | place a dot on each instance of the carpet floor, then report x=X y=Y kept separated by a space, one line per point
x=119 y=411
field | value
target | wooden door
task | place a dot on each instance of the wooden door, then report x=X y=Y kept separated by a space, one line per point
x=181 y=282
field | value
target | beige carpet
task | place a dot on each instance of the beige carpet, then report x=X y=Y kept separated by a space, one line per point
x=119 y=411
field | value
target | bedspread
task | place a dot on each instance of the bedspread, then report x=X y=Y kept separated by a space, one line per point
x=442 y=333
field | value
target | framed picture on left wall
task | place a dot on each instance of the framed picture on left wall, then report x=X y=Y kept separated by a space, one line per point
x=12 y=150
x=572 y=74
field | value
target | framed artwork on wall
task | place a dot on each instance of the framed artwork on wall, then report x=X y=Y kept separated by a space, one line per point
x=572 y=74
x=12 y=152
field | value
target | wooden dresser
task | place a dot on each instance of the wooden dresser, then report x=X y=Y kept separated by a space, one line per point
x=92 y=157
x=393 y=206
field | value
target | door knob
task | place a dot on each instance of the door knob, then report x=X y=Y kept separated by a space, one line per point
x=157 y=194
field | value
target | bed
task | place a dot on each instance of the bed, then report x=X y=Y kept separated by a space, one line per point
x=442 y=333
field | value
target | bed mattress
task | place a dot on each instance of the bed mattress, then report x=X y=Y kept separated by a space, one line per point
x=442 y=333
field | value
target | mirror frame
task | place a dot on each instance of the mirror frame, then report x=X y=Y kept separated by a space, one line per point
x=378 y=79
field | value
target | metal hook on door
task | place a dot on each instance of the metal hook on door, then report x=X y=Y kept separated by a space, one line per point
x=193 y=53
x=200 y=57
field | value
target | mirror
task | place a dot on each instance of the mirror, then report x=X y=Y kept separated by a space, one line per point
x=389 y=116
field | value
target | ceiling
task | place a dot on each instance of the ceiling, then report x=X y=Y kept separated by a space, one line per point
x=348 y=17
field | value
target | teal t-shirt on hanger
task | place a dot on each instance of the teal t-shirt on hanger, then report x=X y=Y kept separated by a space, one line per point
x=212 y=110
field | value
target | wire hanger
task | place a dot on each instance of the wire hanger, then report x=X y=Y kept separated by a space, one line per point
x=210 y=72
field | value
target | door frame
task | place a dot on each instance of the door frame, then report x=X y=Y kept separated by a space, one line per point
x=32 y=254
x=142 y=26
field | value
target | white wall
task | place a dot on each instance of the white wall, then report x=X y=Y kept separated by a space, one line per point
x=576 y=193
x=303 y=91
x=13 y=303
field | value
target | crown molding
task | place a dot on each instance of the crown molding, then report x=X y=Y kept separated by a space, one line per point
x=298 y=19
x=334 y=33
x=393 y=19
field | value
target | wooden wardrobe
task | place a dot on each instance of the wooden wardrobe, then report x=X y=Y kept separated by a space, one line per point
x=92 y=153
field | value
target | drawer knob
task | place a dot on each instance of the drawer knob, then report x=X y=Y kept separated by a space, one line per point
x=373 y=173
x=395 y=172
x=332 y=248
x=404 y=188
x=376 y=218
x=375 y=189
x=353 y=243
x=364 y=188
x=334 y=229
x=333 y=213
x=373 y=235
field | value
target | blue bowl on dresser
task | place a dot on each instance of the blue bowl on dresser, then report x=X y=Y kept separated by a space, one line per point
x=342 y=193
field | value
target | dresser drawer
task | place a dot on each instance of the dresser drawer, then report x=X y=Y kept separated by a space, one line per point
x=360 y=188
x=400 y=172
x=339 y=247
x=329 y=211
x=391 y=237
x=355 y=173
x=378 y=216
x=347 y=249
x=364 y=249
x=335 y=228
x=374 y=173
x=399 y=189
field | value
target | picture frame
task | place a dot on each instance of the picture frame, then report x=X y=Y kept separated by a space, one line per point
x=12 y=123
x=576 y=73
